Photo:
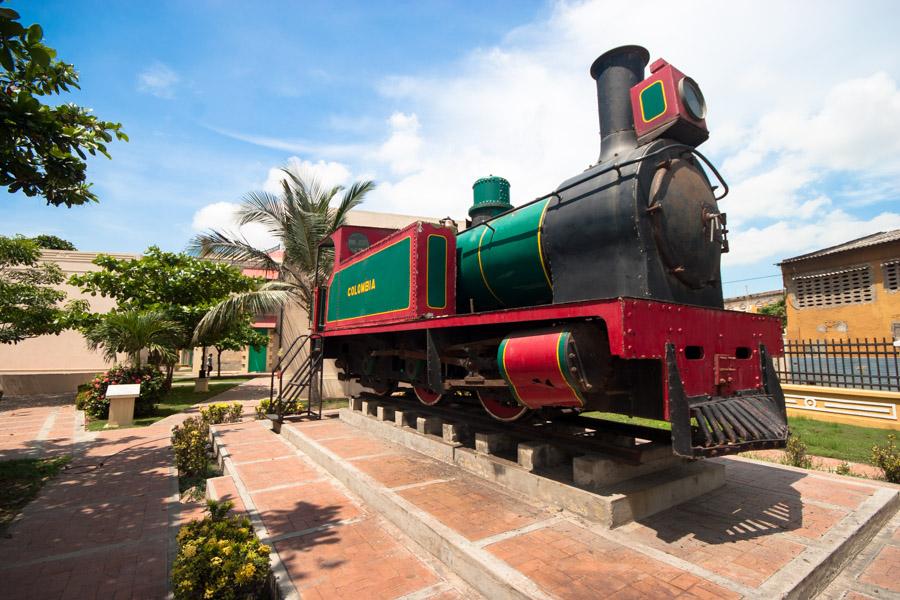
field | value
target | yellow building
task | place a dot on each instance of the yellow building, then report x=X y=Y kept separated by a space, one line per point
x=847 y=291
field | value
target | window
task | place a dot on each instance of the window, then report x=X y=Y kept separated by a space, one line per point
x=891 y=275
x=847 y=286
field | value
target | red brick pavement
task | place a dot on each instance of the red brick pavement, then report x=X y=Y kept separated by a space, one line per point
x=330 y=545
x=103 y=527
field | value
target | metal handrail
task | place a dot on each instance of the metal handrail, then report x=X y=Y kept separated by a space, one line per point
x=278 y=366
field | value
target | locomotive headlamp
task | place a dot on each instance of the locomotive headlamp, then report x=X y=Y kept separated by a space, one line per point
x=692 y=98
x=668 y=104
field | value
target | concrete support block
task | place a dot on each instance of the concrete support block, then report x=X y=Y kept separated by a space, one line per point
x=597 y=470
x=493 y=443
x=356 y=404
x=384 y=413
x=369 y=407
x=537 y=455
x=404 y=418
x=432 y=425
x=455 y=433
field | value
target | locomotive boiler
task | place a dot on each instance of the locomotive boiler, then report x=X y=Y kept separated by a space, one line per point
x=604 y=294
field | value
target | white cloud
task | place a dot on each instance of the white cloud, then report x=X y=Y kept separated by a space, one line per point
x=329 y=174
x=158 y=80
x=222 y=216
x=805 y=130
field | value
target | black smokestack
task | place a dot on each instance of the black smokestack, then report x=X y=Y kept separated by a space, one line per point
x=616 y=72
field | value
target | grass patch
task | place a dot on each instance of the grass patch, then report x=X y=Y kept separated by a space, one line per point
x=836 y=440
x=822 y=438
x=196 y=486
x=20 y=482
x=179 y=398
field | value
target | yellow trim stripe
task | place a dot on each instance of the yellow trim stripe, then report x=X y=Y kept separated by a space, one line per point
x=540 y=250
x=665 y=102
x=481 y=269
x=509 y=380
x=428 y=268
x=562 y=373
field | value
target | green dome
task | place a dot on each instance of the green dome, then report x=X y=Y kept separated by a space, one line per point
x=491 y=197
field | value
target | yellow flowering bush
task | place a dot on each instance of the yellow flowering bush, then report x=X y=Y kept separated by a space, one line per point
x=189 y=442
x=219 y=557
x=265 y=407
x=222 y=413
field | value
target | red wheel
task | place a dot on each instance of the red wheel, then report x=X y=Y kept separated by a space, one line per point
x=501 y=405
x=383 y=388
x=426 y=396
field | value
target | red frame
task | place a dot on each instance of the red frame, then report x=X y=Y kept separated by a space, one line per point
x=640 y=329
x=342 y=235
x=418 y=232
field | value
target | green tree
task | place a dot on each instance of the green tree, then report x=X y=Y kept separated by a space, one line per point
x=51 y=242
x=43 y=148
x=776 y=309
x=299 y=217
x=237 y=337
x=29 y=305
x=131 y=331
x=181 y=287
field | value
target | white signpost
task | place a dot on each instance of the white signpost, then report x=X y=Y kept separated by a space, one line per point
x=121 y=403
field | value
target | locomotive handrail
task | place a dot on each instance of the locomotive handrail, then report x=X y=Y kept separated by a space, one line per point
x=617 y=167
x=277 y=368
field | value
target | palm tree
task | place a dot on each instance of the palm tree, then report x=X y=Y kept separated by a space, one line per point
x=300 y=217
x=132 y=331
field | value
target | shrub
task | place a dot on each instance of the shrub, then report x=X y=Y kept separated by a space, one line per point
x=189 y=442
x=887 y=458
x=795 y=453
x=81 y=397
x=219 y=557
x=266 y=406
x=843 y=468
x=151 y=379
x=222 y=413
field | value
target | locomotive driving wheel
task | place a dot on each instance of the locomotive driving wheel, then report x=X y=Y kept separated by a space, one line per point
x=382 y=388
x=501 y=405
x=426 y=396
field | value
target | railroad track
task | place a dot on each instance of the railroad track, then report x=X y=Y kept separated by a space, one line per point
x=573 y=433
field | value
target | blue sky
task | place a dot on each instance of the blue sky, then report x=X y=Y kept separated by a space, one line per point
x=424 y=97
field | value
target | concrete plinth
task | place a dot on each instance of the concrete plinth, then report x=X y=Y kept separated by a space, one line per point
x=404 y=418
x=384 y=413
x=201 y=384
x=121 y=404
x=431 y=425
x=369 y=407
x=597 y=470
x=493 y=443
x=356 y=404
x=539 y=455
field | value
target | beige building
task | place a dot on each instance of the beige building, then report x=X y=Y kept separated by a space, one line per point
x=59 y=363
x=753 y=302
x=847 y=291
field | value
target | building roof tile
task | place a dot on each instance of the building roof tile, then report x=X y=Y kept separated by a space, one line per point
x=882 y=237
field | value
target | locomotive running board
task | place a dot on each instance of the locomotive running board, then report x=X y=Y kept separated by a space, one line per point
x=751 y=420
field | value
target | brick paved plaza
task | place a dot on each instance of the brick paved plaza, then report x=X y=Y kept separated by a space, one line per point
x=104 y=528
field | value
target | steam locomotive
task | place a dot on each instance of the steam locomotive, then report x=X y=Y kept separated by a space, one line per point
x=604 y=294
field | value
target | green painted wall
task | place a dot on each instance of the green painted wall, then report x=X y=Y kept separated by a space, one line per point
x=376 y=285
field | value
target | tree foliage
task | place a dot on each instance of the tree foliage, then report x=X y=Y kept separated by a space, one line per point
x=181 y=287
x=300 y=217
x=43 y=149
x=131 y=331
x=776 y=309
x=51 y=242
x=29 y=305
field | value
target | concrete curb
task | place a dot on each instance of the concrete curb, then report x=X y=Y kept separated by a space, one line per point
x=485 y=573
x=285 y=586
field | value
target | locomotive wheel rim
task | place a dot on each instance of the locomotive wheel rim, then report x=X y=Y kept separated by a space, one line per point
x=426 y=396
x=502 y=411
x=383 y=389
